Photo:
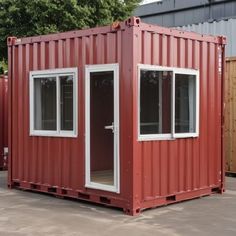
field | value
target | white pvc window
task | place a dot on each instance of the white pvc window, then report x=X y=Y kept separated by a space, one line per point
x=53 y=102
x=168 y=102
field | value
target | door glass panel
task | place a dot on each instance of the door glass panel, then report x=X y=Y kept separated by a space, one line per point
x=101 y=127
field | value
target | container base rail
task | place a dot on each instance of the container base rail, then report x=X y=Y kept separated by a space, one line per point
x=230 y=173
x=113 y=201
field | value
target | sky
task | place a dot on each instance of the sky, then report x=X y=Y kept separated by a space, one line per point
x=149 y=1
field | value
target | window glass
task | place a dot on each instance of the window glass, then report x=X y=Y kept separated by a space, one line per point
x=45 y=104
x=168 y=103
x=185 y=103
x=155 y=102
x=66 y=101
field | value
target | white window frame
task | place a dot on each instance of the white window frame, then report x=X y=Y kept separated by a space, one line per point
x=55 y=73
x=172 y=135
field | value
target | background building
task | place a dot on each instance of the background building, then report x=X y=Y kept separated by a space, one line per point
x=172 y=13
x=216 y=17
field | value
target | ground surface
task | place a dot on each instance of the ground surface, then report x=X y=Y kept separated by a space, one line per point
x=25 y=213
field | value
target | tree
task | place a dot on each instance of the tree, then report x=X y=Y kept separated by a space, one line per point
x=22 y=18
x=107 y=11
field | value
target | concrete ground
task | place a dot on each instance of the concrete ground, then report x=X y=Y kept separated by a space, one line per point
x=25 y=213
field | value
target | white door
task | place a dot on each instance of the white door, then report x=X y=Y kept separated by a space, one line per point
x=102 y=127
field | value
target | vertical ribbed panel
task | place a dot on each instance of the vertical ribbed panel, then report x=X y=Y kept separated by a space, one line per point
x=183 y=164
x=61 y=161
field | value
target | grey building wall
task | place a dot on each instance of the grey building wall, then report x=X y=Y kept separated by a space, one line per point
x=172 y=13
x=222 y=27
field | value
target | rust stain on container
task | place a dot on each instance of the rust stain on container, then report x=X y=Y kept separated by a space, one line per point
x=230 y=115
x=151 y=173
x=3 y=122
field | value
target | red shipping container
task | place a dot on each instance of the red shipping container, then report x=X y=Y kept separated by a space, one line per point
x=128 y=115
x=3 y=122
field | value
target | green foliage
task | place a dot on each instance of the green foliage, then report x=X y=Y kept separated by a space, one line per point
x=107 y=11
x=3 y=67
x=26 y=18
x=22 y=18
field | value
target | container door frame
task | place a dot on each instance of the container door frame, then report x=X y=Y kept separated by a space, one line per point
x=88 y=184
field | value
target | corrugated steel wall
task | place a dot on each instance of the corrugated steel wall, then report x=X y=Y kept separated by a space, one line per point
x=230 y=115
x=223 y=27
x=188 y=164
x=149 y=170
x=3 y=120
x=61 y=161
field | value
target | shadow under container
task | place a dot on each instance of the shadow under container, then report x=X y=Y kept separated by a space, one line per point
x=128 y=115
x=3 y=122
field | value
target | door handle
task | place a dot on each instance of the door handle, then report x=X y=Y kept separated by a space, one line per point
x=110 y=127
